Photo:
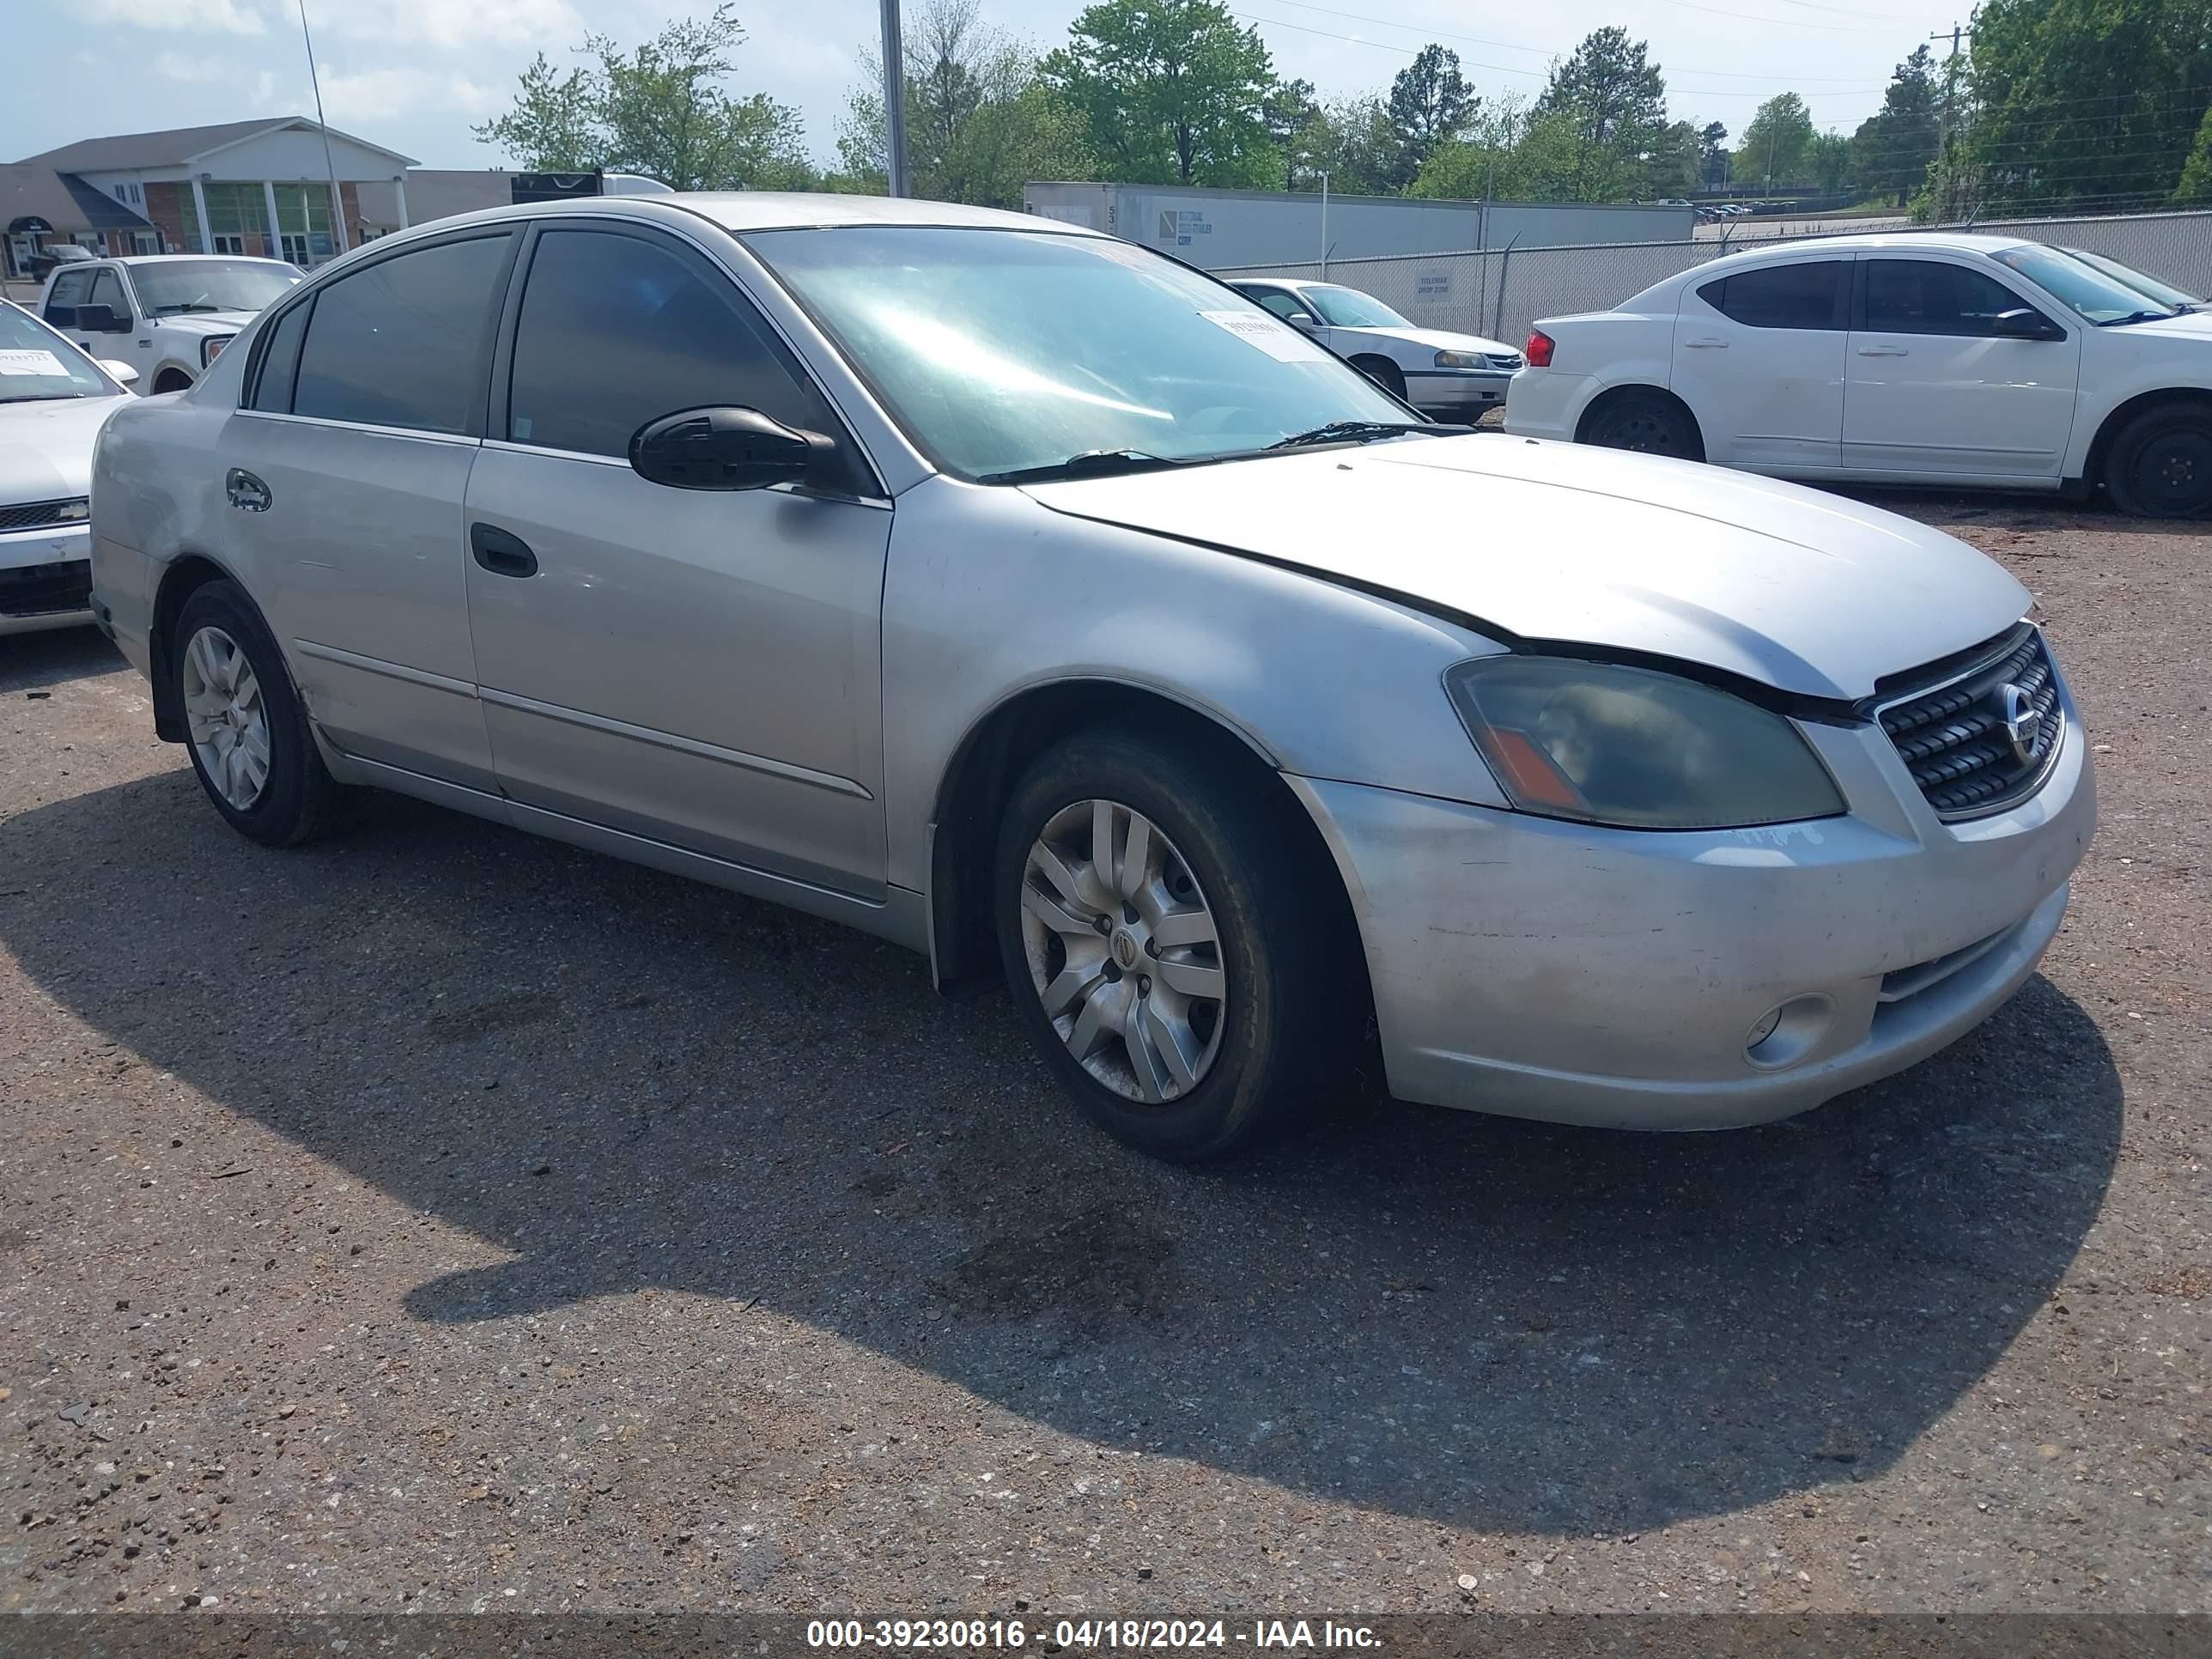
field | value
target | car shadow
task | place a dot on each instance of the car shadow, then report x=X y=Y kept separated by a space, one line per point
x=623 y=1081
x=1947 y=509
x=30 y=661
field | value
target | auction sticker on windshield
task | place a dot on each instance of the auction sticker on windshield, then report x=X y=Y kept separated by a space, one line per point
x=31 y=362
x=1258 y=329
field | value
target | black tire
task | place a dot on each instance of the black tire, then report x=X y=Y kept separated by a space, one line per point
x=2159 y=465
x=299 y=800
x=1647 y=424
x=171 y=380
x=1277 y=1040
x=1384 y=373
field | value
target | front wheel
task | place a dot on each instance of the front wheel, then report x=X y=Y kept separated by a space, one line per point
x=1170 y=955
x=1384 y=373
x=2160 y=464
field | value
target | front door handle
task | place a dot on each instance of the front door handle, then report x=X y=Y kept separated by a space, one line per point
x=501 y=553
x=247 y=493
x=1706 y=344
x=1884 y=351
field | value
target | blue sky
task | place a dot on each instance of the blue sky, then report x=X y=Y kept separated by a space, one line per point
x=414 y=75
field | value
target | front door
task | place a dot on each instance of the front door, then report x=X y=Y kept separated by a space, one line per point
x=697 y=667
x=1759 y=357
x=344 y=477
x=1936 y=392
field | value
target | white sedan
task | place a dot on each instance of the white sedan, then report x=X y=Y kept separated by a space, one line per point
x=53 y=400
x=1456 y=376
x=1908 y=358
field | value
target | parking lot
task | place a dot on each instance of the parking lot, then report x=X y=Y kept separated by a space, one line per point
x=440 y=1218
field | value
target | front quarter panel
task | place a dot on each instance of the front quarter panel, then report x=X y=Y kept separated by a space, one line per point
x=989 y=593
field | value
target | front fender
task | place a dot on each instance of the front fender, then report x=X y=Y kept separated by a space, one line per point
x=989 y=593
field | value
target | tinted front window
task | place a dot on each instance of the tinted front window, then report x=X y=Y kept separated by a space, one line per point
x=1000 y=350
x=401 y=343
x=174 y=287
x=37 y=364
x=1779 y=296
x=616 y=331
x=280 y=360
x=1921 y=296
x=107 y=291
x=1347 y=307
x=1276 y=300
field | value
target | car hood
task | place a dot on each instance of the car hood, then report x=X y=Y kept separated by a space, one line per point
x=45 y=449
x=1439 y=339
x=1791 y=587
x=2194 y=325
x=208 y=322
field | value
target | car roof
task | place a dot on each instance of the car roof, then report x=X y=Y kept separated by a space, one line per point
x=761 y=210
x=181 y=259
x=1924 y=242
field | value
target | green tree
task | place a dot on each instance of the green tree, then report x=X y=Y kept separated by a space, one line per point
x=1354 y=143
x=1778 y=145
x=2084 y=104
x=661 y=110
x=1292 y=119
x=1677 y=160
x=1713 y=155
x=979 y=121
x=2196 y=187
x=1613 y=100
x=1829 y=161
x=1170 y=90
x=1893 y=146
x=1429 y=105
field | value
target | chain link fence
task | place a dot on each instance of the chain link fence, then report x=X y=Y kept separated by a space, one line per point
x=1500 y=292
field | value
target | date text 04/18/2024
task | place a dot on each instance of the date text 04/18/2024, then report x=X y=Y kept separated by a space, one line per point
x=923 y=1635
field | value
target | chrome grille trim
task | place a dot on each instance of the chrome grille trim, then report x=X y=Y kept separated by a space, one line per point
x=1951 y=734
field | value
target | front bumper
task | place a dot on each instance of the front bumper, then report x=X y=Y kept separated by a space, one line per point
x=1456 y=390
x=1558 y=971
x=46 y=579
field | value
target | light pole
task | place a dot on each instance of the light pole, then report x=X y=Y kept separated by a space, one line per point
x=1324 y=224
x=894 y=101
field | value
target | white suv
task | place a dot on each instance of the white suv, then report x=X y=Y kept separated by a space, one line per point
x=167 y=315
x=1457 y=376
x=1909 y=358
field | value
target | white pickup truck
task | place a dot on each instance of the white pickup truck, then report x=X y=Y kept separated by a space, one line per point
x=167 y=315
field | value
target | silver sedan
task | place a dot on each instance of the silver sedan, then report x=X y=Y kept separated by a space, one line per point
x=1035 y=601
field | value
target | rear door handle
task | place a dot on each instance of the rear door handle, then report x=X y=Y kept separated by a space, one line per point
x=501 y=553
x=1706 y=344
x=1884 y=351
x=247 y=493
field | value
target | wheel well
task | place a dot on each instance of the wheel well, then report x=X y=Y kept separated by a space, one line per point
x=178 y=583
x=2092 y=467
x=1361 y=360
x=1620 y=394
x=171 y=380
x=991 y=759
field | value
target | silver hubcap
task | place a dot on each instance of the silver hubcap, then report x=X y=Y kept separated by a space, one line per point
x=1123 y=950
x=229 y=723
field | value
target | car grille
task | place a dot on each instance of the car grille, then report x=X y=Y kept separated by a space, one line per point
x=38 y=590
x=1506 y=360
x=1955 y=738
x=37 y=515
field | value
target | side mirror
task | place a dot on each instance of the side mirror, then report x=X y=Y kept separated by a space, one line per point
x=100 y=319
x=120 y=371
x=2022 y=323
x=724 y=448
x=1301 y=320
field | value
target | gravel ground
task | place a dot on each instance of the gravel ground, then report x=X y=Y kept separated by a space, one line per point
x=443 y=1219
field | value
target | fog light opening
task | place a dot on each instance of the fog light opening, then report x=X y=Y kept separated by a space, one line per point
x=1788 y=1032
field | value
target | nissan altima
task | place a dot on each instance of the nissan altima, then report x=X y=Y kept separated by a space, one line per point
x=1038 y=602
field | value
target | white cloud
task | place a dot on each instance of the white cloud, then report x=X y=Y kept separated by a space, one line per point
x=179 y=66
x=206 y=16
x=554 y=25
x=378 y=95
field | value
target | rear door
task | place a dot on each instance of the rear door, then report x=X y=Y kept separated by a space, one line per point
x=700 y=668
x=1935 y=392
x=1759 y=357
x=345 y=470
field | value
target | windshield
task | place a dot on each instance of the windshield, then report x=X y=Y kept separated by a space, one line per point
x=1347 y=307
x=2164 y=292
x=36 y=364
x=2100 y=298
x=1003 y=350
x=175 y=287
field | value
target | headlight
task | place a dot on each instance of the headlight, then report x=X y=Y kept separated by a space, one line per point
x=211 y=348
x=1461 y=360
x=1635 y=749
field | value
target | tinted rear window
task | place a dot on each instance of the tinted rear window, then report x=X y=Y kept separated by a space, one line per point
x=402 y=342
x=1779 y=296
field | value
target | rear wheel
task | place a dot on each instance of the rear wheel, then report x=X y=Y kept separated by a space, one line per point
x=244 y=726
x=1169 y=954
x=2160 y=465
x=1647 y=423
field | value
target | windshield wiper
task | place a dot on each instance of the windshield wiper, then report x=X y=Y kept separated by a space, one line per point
x=1361 y=432
x=1090 y=464
x=42 y=398
x=2141 y=316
